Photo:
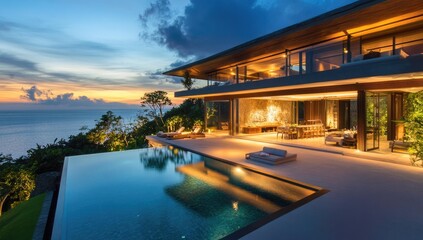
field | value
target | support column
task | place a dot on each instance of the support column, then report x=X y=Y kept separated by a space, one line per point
x=391 y=116
x=349 y=53
x=361 y=120
x=205 y=115
x=231 y=117
x=236 y=115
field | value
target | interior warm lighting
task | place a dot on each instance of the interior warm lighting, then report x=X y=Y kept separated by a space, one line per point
x=257 y=116
x=387 y=24
x=284 y=55
x=345 y=50
x=273 y=113
x=324 y=96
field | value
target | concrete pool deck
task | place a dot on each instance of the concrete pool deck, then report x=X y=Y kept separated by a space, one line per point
x=367 y=199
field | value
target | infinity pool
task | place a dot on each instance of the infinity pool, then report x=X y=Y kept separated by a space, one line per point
x=167 y=193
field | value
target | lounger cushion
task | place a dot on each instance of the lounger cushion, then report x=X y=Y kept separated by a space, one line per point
x=196 y=130
x=274 y=151
x=271 y=159
x=180 y=130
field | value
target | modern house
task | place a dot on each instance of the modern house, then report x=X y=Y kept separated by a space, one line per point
x=348 y=69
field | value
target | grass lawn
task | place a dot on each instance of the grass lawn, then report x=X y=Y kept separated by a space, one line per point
x=20 y=222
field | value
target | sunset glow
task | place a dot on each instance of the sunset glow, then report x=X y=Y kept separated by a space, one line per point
x=116 y=52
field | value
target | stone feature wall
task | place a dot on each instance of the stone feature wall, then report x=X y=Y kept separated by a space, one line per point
x=256 y=112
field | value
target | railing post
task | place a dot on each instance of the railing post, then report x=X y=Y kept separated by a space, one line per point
x=393 y=45
x=287 y=62
x=349 y=54
x=237 y=74
x=245 y=73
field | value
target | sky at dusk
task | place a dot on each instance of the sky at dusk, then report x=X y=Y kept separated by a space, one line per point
x=108 y=53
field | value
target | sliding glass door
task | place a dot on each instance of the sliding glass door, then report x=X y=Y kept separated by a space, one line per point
x=372 y=121
x=376 y=119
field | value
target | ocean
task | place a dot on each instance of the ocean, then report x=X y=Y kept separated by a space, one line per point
x=21 y=130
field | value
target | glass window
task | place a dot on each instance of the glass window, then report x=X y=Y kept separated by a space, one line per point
x=272 y=67
x=328 y=57
x=382 y=45
x=410 y=43
x=294 y=64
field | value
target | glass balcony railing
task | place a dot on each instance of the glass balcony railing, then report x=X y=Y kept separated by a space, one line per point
x=322 y=57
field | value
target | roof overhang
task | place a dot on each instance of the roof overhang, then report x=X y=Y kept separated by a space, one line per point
x=361 y=17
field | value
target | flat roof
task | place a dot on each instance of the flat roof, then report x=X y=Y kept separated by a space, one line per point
x=354 y=19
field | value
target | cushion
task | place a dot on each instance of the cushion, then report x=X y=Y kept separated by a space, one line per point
x=371 y=54
x=274 y=151
x=196 y=130
x=348 y=136
x=401 y=53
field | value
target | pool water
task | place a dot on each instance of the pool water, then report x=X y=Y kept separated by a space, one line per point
x=164 y=193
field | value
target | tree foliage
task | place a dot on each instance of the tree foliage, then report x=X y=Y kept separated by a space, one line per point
x=111 y=133
x=16 y=185
x=188 y=82
x=414 y=127
x=173 y=123
x=153 y=104
x=191 y=111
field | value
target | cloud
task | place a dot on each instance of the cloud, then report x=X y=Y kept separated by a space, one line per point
x=69 y=99
x=35 y=54
x=49 y=40
x=41 y=97
x=14 y=61
x=33 y=93
x=207 y=27
x=16 y=67
x=157 y=10
x=179 y=63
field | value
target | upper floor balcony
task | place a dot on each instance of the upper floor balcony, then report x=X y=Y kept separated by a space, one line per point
x=347 y=59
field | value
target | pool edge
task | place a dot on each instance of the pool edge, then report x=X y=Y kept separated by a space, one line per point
x=58 y=226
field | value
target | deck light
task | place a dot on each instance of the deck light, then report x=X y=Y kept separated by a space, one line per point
x=345 y=50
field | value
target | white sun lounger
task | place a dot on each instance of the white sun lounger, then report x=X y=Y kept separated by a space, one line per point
x=271 y=156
